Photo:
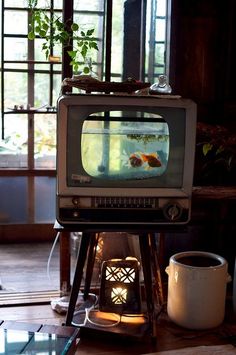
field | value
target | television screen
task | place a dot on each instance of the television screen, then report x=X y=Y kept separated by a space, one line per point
x=118 y=148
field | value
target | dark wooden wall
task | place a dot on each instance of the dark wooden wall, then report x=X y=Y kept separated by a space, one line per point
x=203 y=68
x=203 y=57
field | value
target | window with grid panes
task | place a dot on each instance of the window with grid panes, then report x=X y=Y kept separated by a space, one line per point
x=31 y=85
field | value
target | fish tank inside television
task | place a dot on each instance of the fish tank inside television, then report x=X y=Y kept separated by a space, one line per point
x=124 y=160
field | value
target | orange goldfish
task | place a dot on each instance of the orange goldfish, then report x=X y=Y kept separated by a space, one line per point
x=135 y=160
x=152 y=159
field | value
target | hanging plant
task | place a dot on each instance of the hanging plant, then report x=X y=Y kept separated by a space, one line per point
x=46 y=24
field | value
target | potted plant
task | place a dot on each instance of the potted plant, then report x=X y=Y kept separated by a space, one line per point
x=46 y=24
x=215 y=161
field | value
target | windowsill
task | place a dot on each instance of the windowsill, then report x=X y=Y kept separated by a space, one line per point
x=27 y=172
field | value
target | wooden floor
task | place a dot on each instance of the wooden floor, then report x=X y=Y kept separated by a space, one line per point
x=29 y=264
x=23 y=267
x=169 y=336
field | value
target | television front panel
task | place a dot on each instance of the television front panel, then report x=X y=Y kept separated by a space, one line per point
x=124 y=159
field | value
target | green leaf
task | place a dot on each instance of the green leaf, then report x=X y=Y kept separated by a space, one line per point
x=206 y=148
x=72 y=54
x=59 y=24
x=42 y=33
x=220 y=150
x=64 y=36
x=44 y=46
x=45 y=26
x=47 y=53
x=83 y=33
x=37 y=29
x=31 y=35
x=46 y=18
x=37 y=18
x=56 y=38
x=33 y=3
x=93 y=45
x=84 y=51
x=74 y=27
x=76 y=67
x=90 y=32
x=86 y=70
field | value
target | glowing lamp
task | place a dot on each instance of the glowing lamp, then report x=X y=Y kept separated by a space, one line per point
x=120 y=290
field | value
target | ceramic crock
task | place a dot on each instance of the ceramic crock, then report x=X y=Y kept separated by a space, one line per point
x=197 y=289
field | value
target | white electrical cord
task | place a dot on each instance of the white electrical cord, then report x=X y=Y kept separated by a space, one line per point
x=104 y=325
x=50 y=257
x=81 y=311
x=87 y=311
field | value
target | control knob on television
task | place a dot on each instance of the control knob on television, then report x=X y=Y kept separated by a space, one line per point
x=172 y=211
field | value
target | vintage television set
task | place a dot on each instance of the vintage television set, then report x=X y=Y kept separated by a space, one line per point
x=124 y=160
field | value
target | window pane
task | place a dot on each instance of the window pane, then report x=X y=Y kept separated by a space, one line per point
x=158 y=70
x=95 y=5
x=57 y=50
x=45 y=141
x=160 y=29
x=16 y=66
x=160 y=54
x=16 y=3
x=15 y=89
x=20 y=49
x=57 y=4
x=42 y=67
x=39 y=54
x=45 y=191
x=43 y=3
x=57 y=81
x=88 y=22
x=13 y=201
x=41 y=88
x=117 y=38
x=13 y=149
x=161 y=7
x=19 y=19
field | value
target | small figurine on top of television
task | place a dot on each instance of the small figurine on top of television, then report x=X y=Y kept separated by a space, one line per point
x=161 y=87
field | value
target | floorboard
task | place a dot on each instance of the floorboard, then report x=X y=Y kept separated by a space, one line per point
x=24 y=267
x=169 y=336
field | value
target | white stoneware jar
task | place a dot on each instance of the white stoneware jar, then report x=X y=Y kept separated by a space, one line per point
x=197 y=289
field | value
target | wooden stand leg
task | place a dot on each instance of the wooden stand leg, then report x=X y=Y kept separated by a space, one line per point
x=156 y=272
x=147 y=273
x=85 y=242
x=90 y=263
x=65 y=286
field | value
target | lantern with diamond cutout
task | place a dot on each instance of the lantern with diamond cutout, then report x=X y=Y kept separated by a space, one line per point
x=120 y=289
